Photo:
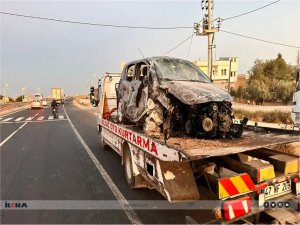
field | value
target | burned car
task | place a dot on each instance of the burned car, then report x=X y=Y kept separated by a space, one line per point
x=171 y=96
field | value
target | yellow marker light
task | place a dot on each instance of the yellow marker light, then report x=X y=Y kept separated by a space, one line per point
x=291 y=167
x=266 y=173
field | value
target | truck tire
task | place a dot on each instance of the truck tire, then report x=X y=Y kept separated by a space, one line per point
x=128 y=168
x=105 y=146
x=137 y=181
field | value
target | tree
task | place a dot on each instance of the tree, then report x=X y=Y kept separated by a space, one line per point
x=285 y=91
x=19 y=98
x=257 y=91
x=271 y=73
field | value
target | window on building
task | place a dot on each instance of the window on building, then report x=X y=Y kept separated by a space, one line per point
x=231 y=74
x=221 y=72
x=225 y=72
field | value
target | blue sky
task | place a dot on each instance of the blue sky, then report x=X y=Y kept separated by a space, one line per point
x=47 y=54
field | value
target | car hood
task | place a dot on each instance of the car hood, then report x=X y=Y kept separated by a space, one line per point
x=191 y=92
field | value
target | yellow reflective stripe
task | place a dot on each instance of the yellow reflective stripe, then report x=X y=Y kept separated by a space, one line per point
x=222 y=192
x=291 y=167
x=267 y=173
x=239 y=184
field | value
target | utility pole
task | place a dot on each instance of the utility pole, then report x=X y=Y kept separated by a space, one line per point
x=208 y=30
x=210 y=37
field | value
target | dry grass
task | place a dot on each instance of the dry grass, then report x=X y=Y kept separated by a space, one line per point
x=268 y=117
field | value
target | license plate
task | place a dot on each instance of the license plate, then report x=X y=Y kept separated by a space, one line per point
x=275 y=190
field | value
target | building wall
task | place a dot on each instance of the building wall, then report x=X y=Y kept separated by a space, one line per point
x=221 y=68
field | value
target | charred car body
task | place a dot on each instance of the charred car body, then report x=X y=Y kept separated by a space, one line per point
x=172 y=96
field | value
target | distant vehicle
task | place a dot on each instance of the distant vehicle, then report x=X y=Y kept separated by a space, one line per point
x=44 y=101
x=296 y=102
x=38 y=96
x=58 y=95
x=37 y=104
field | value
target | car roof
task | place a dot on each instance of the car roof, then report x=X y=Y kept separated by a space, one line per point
x=149 y=59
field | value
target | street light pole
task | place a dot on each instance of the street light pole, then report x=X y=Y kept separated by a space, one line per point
x=23 y=94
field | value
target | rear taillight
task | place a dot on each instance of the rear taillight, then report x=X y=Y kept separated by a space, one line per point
x=233 y=209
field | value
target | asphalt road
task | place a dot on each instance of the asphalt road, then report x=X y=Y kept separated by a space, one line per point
x=43 y=159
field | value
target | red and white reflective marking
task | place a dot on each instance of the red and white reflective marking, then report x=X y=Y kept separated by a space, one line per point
x=237 y=208
x=40 y=118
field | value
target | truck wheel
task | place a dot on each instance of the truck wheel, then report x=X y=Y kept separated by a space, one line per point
x=99 y=129
x=105 y=146
x=128 y=169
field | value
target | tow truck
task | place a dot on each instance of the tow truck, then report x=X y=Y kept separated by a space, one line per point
x=249 y=180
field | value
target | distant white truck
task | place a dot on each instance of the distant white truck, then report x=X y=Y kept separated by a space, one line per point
x=58 y=95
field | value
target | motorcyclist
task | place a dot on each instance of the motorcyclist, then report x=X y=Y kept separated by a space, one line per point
x=54 y=107
x=54 y=103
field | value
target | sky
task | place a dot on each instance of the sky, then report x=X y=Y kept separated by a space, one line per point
x=45 y=54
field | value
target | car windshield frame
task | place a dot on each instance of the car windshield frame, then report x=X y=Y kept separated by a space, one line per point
x=170 y=69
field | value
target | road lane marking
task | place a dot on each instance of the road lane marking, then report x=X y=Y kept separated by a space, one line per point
x=61 y=117
x=32 y=121
x=35 y=115
x=10 y=136
x=7 y=119
x=29 y=118
x=1 y=118
x=130 y=213
x=50 y=117
x=20 y=118
x=40 y=118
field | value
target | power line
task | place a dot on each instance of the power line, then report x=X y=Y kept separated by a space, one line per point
x=257 y=39
x=185 y=40
x=95 y=24
x=187 y=57
x=254 y=10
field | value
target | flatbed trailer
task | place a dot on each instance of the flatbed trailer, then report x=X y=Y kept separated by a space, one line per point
x=243 y=175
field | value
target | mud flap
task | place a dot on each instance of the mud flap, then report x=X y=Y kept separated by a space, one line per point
x=179 y=181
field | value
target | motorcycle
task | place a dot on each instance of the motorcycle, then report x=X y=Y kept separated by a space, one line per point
x=55 y=112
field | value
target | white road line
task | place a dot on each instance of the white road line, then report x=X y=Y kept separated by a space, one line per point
x=50 y=117
x=35 y=115
x=40 y=118
x=20 y=118
x=1 y=118
x=29 y=118
x=7 y=119
x=60 y=117
x=132 y=216
x=10 y=136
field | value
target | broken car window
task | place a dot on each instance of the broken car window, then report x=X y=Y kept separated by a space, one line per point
x=177 y=69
